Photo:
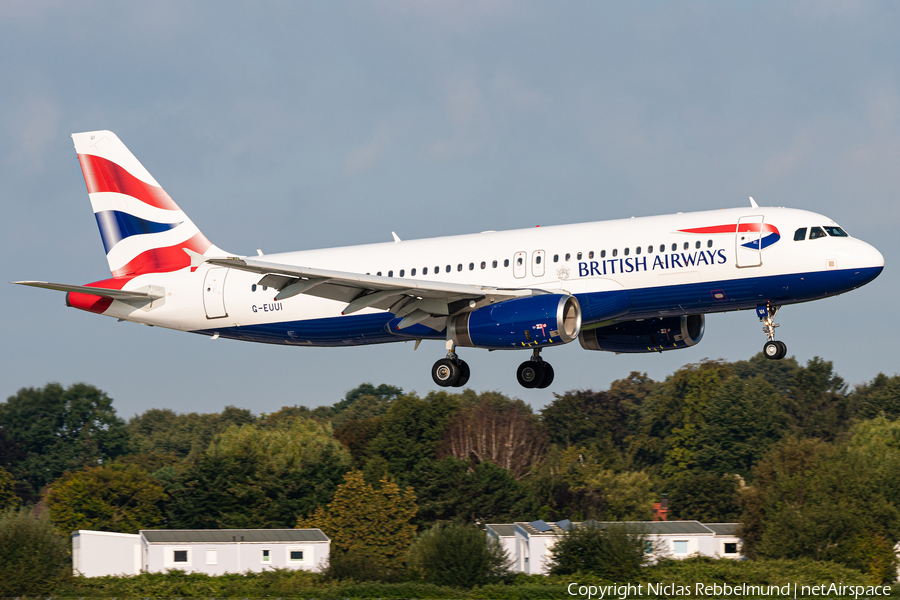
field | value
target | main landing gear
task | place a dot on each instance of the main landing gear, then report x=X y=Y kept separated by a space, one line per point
x=773 y=349
x=535 y=373
x=451 y=371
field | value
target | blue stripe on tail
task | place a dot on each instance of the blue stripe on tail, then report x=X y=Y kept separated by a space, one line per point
x=115 y=226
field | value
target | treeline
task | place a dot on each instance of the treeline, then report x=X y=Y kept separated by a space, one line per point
x=810 y=467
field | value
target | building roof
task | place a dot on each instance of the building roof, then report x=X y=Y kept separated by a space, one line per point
x=503 y=529
x=648 y=527
x=725 y=528
x=222 y=536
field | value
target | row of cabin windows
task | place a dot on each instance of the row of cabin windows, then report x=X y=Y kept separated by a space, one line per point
x=819 y=232
x=568 y=257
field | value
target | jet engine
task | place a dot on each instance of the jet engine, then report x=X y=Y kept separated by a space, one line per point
x=519 y=323
x=648 y=335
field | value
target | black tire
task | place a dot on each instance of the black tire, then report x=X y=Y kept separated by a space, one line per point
x=530 y=374
x=772 y=350
x=445 y=372
x=463 y=374
x=782 y=350
x=548 y=377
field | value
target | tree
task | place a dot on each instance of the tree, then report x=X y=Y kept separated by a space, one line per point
x=743 y=419
x=453 y=490
x=816 y=500
x=119 y=498
x=254 y=476
x=613 y=551
x=60 y=430
x=8 y=498
x=458 y=555
x=163 y=431
x=707 y=497
x=412 y=430
x=818 y=405
x=365 y=520
x=34 y=556
x=493 y=428
x=881 y=396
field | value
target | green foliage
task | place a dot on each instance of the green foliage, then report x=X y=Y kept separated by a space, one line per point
x=743 y=419
x=879 y=397
x=163 y=431
x=763 y=571
x=452 y=489
x=257 y=477
x=706 y=497
x=8 y=498
x=34 y=557
x=614 y=551
x=365 y=520
x=58 y=430
x=412 y=430
x=120 y=498
x=817 y=405
x=458 y=555
x=814 y=500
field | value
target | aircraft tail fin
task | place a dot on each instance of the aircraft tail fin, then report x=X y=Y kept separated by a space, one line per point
x=142 y=228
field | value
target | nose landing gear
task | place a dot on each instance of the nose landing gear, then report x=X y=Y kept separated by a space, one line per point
x=450 y=371
x=773 y=349
x=535 y=373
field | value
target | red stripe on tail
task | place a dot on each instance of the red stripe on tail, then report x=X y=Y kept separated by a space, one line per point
x=96 y=304
x=102 y=175
x=164 y=260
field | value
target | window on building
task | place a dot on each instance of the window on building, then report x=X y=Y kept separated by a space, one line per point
x=731 y=548
x=180 y=556
x=295 y=555
x=648 y=547
x=680 y=547
x=800 y=234
x=212 y=557
x=265 y=556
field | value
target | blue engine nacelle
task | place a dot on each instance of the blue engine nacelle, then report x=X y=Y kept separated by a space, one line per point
x=519 y=323
x=650 y=335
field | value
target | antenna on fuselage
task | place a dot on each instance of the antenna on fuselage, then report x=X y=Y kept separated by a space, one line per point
x=753 y=203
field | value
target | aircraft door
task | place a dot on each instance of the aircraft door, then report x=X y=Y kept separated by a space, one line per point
x=519 y=266
x=214 y=293
x=747 y=246
x=537 y=263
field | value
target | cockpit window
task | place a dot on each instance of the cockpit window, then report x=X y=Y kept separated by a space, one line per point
x=816 y=233
x=800 y=234
x=835 y=232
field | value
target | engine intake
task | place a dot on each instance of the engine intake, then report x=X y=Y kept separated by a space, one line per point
x=518 y=323
x=650 y=335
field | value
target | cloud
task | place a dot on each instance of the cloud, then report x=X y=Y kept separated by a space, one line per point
x=368 y=154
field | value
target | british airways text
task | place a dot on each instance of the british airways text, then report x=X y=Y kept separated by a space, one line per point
x=612 y=266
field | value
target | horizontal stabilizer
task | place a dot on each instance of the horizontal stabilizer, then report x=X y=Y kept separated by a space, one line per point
x=96 y=291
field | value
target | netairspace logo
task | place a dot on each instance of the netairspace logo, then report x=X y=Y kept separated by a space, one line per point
x=724 y=590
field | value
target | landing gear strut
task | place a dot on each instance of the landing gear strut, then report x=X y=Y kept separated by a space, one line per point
x=450 y=371
x=535 y=373
x=773 y=349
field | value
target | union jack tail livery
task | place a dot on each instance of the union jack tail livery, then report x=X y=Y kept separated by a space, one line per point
x=142 y=228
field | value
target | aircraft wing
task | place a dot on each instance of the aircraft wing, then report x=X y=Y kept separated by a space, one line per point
x=96 y=291
x=413 y=300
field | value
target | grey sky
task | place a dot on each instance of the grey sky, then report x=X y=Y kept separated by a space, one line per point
x=289 y=125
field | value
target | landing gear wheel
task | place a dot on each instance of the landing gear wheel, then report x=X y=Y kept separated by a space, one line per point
x=775 y=350
x=548 y=377
x=463 y=374
x=530 y=374
x=446 y=372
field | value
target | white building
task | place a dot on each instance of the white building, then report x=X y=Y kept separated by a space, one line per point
x=671 y=539
x=219 y=551
x=99 y=553
x=211 y=551
x=505 y=535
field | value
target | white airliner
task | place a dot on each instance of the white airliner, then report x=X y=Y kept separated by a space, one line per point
x=633 y=285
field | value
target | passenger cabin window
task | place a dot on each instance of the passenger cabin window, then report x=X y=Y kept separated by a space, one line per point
x=816 y=233
x=471 y=266
x=709 y=243
x=495 y=264
x=483 y=264
x=519 y=261
x=579 y=256
x=537 y=259
x=674 y=247
x=662 y=247
x=379 y=273
x=615 y=251
x=459 y=267
x=697 y=245
x=637 y=250
x=800 y=234
x=506 y=262
x=253 y=288
x=687 y=245
x=591 y=254
x=402 y=272
x=627 y=251
x=649 y=249
x=568 y=256
x=603 y=254
x=424 y=271
x=390 y=273
x=835 y=232
x=448 y=268
x=556 y=258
